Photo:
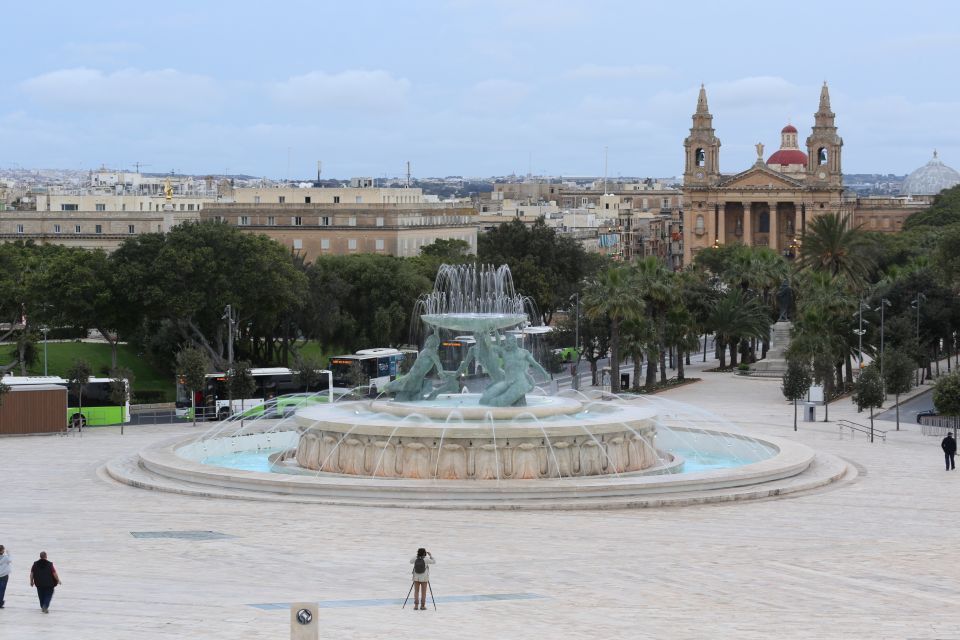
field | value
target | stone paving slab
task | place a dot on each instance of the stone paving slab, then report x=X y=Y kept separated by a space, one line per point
x=873 y=558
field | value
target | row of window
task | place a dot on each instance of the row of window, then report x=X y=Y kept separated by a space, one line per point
x=351 y=244
x=123 y=207
x=76 y=228
x=357 y=199
x=296 y=221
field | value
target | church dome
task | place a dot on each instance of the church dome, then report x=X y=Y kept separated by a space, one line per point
x=789 y=129
x=930 y=179
x=785 y=157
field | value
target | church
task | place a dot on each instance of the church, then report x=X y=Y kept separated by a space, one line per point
x=769 y=204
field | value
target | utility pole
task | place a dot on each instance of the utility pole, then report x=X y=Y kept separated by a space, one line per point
x=408 y=174
x=319 y=164
x=883 y=303
x=916 y=303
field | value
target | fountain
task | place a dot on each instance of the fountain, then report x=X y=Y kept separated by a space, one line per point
x=427 y=441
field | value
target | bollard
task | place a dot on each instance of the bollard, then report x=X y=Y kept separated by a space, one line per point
x=304 y=624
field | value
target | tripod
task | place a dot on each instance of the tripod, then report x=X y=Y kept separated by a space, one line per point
x=410 y=590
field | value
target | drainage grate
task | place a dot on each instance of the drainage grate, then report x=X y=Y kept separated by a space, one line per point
x=182 y=535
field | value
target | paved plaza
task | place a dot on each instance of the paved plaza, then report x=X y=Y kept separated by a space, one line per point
x=874 y=557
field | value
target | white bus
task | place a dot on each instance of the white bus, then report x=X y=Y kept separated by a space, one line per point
x=375 y=367
x=213 y=401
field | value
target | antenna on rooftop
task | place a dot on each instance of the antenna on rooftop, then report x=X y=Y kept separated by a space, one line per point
x=408 y=174
x=605 y=153
x=137 y=165
x=319 y=165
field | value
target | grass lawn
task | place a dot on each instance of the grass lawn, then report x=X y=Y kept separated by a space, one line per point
x=60 y=355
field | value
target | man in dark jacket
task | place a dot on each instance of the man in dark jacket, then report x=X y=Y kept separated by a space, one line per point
x=949 y=446
x=44 y=577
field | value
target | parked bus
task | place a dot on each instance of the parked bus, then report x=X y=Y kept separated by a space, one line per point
x=278 y=391
x=376 y=367
x=99 y=404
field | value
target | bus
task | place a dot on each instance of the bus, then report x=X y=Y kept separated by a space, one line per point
x=100 y=406
x=278 y=392
x=376 y=367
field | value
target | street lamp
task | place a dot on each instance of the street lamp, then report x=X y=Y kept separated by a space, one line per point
x=861 y=330
x=44 y=331
x=916 y=305
x=883 y=304
x=576 y=341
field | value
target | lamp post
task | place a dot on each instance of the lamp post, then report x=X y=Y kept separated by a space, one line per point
x=575 y=381
x=916 y=305
x=883 y=304
x=44 y=331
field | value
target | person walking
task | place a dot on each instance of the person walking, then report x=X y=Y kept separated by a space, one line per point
x=421 y=577
x=949 y=446
x=5 y=566
x=43 y=576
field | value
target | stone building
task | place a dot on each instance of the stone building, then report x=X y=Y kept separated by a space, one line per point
x=768 y=204
x=317 y=229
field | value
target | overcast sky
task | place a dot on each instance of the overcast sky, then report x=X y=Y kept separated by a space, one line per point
x=468 y=87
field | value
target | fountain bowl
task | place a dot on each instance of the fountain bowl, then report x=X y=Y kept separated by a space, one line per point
x=474 y=322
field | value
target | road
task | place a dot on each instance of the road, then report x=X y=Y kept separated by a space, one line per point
x=910 y=408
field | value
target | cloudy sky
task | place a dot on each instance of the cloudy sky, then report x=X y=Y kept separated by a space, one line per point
x=468 y=87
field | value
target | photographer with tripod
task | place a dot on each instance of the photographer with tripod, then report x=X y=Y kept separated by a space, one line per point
x=421 y=579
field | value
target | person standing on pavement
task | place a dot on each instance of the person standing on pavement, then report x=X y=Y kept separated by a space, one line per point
x=421 y=577
x=5 y=566
x=949 y=446
x=43 y=576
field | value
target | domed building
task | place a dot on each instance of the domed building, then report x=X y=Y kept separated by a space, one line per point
x=930 y=179
x=789 y=158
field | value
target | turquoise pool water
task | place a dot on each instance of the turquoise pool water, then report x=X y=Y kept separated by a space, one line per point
x=260 y=461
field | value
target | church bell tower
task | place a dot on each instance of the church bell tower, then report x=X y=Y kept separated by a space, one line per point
x=823 y=146
x=702 y=168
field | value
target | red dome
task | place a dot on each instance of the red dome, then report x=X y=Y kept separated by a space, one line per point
x=789 y=129
x=788 y=156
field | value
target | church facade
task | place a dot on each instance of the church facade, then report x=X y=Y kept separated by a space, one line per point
x=768 y=204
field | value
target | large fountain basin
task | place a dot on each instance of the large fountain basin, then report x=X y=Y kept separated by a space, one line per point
x=474 y=322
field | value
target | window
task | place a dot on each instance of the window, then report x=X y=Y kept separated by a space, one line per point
x=306 y=200
x=336 y=199
x=698 y=228
x=298 y=243
x=141 y=206
x=700 y=158
x=19 y=228
x=243 y=221
x=131 y=229
x=379 y=244
x=282 y=199
x=98 y=228
x=56 y=228
x=123 y=207
x=181 y=207
x=645 y=204
x=101 y=207
x=666 y=203
x=256 y=199
x=379 y=222
x=189 y=207
x=822 y=155
x=352 y=221
x=76 y=229
x=296 y=221
x=359 y=199
x=763 y=224
x=325 y=221
x=325 y=243
x=69 y=207
x=352 y=244
x=271 y=221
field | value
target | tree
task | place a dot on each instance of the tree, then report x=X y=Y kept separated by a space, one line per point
x=78 y=375
x=796 y=383
x=4 y=389
x=832 y=244
x=736 y=316
x=242 y=383
x=946 y=397
x=613 y=295
x=308 y=373
x=868 y=391
x=192 y=368
x=898 y=370
x=121 y=381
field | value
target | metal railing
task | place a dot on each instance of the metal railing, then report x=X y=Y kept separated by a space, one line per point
x=857 y=427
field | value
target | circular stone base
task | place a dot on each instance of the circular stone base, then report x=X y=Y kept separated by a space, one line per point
x=465 y=406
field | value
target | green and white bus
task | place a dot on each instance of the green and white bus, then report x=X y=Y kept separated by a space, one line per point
x=99 y=404
x=278 y=392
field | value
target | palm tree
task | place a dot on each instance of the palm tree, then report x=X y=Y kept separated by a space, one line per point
x=659 y=293
x=737 y=316
x=613 y=295
x=832 y=244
